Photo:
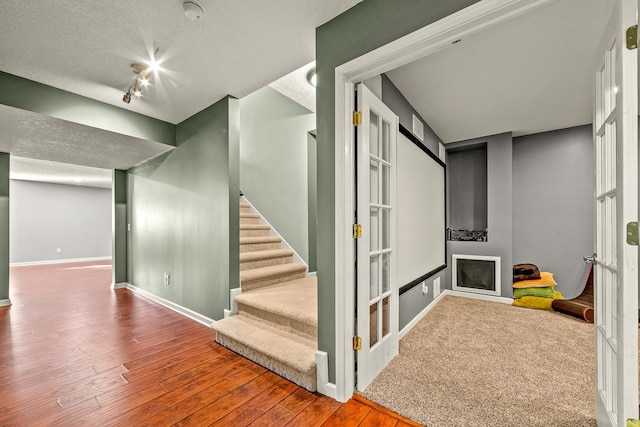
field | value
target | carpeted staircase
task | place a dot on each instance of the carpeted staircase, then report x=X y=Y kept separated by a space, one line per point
x=276 y=325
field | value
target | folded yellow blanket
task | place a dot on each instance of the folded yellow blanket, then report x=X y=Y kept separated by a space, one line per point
x=537 y=302
x=546 y=279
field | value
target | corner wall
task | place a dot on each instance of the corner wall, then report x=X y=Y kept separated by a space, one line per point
x=553 y=204
x=273 y=162
x=499 y=206
x=4 y=227
x=184 y=213
x=348 y=36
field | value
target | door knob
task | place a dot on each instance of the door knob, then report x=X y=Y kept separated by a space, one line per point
x=589 y=259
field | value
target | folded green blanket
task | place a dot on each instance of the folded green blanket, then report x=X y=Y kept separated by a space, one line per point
x=544 y=292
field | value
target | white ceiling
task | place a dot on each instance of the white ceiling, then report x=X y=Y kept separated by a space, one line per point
x=296 y=87
x=532 y=74
x=87 y=47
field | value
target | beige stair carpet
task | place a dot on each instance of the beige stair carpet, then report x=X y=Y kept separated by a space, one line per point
x=292 y=305
x=276 y=325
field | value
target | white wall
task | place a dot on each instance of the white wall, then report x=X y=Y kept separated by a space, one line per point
x=45 y=217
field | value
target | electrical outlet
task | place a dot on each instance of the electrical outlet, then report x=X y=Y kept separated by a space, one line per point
x=436 y=287
x=167 y=279
x=425 y=288
x=59 y=250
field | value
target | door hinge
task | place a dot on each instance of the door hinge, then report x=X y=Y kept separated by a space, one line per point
x=632 y=233
x=357 y=343
x=357 y=231
x=357 y=118
x=632 y=37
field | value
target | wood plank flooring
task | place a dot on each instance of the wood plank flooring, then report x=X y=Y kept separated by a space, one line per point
x=73 y=352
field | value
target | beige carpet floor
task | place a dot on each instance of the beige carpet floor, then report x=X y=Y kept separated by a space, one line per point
x=476 y=363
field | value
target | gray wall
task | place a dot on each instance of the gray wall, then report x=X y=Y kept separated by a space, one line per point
x=413 y=301
x=346 y=37
x=273 y=162
x=500 y=207
x=119 y=222
x=4 y=226
x=184 y=214
x=395 y=100
x=553 y=204
x=46 y=216
x=467 y=204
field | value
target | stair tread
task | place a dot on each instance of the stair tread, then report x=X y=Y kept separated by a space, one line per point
x=254 y=227
x=296 y=299
x=260 y=239
x=267 y=254
x=290 y=349
x=245 y=205
x=271 y=271
x=249 y=215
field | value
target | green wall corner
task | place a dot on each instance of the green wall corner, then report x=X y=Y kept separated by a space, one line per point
x=4 y=226
x=119 y=227
x=184 y=214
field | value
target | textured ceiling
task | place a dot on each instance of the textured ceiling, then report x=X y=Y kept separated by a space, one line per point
x=87 y=46
x=296 y=86
x=529 y=75
x=36 y=136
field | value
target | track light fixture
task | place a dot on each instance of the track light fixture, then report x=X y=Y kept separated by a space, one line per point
x=141 y=80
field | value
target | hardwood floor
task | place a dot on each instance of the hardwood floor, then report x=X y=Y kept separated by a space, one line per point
x=73 y=352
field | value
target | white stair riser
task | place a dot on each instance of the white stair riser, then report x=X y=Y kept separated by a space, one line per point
x=267 y=281
x=248 y=265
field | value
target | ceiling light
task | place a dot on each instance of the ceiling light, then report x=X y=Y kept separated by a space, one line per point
x=312 y=77
x=193 y=9
x=141 y=80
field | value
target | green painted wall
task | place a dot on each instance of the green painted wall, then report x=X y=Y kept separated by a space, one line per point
x=119 y=226
x=361 y=29
x=273 y=162
x=184 y=213
x=4 y=226
x=39 y=98
x=312 y=180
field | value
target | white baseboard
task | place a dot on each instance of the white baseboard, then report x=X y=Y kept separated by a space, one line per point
x=312 y=274
x=59 y=261
x=420 y=315
x=122 y=285
x=322 y=376
x=204 y=320
x=5 y=302
x=491 y=298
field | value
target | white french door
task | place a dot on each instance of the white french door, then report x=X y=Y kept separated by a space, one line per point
x=616 y=205
x=377 y=293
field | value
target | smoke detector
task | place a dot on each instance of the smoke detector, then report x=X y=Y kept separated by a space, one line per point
x=193 y=9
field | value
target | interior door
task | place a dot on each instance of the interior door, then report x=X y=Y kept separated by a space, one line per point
x=616 y=205
x=377 y=293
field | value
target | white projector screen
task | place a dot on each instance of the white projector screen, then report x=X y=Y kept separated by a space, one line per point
x=420 y=239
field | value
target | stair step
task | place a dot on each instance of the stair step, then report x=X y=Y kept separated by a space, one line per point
x=252 y=244
x=245 y=207
x=254 y=230
x=288 y=355
x=291 y=306
x=257 y=259
x=266 y=276
x=249 y=218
